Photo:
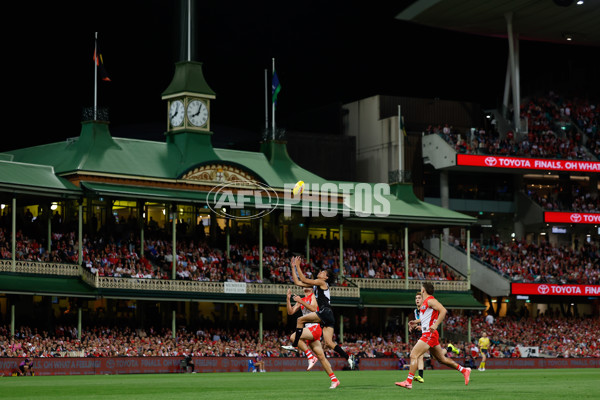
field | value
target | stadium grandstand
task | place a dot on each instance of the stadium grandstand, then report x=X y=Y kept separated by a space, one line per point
x=117 y=247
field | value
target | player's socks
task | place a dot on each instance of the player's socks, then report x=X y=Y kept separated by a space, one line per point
x=410 y=378
x=460 y=368
x=421 y=373
x=297 y=338
x=309 y=354
x=482 y=365
x=338 y=349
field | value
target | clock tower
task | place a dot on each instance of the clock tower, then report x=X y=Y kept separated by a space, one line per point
x=188 y=100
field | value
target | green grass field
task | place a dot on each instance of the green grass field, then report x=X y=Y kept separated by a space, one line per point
x=440 y=384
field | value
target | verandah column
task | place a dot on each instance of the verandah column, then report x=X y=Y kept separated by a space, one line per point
x=49 y=242
x=260 y=249
x=341 y=273
x=80 y=231
x=469 y=258
x=13 y=241
x=406 y=257
x=174 y=244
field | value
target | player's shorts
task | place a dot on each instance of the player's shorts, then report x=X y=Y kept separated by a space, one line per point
x=432 y=338
x=326 y=316
x=316 y=331
x=484 y=351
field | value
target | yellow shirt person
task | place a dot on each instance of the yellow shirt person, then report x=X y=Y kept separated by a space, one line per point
x=484 y=344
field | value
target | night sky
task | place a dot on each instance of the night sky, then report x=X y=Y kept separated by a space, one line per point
x=327 y=52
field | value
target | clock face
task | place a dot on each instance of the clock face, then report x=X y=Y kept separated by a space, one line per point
x=197 y=113
x=176 y=113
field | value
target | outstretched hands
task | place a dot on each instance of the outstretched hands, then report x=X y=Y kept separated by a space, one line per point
x=295 y=262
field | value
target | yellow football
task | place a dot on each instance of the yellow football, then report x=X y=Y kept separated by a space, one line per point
x=298 y=188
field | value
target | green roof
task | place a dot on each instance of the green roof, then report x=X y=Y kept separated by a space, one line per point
x=143 y=192
x=406 y=299
x=44 y=285
x=288 y=171
x=30 y=178
x=188 y=78
x=406 y=207
x=95 y=150
x=47 y=285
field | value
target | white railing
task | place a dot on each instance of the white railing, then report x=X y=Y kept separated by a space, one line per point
x=400 y=284
x=105 y=282
x=38 y=267
x=49 y=268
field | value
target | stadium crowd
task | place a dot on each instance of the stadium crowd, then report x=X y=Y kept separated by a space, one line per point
x=556 y=336
x=578 y=200
x=555 y=126
x=196 y=260
x=539 y=263
x=204 y=342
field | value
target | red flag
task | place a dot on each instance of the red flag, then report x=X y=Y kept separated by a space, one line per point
x=100 y=63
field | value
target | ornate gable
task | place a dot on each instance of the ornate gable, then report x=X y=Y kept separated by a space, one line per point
x=221 y=173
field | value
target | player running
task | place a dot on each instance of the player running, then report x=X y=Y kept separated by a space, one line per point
x=432 y=314
x=417 y=329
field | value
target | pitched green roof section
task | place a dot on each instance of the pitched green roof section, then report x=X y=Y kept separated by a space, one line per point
x=95 y=150
x=404 y=207
x=255 y=163
x=24 y=178
x=188 y=78
x=144 y=192
x=288 y=171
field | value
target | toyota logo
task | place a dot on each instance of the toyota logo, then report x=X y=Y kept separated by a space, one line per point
x=490 y=161
x=543 y=289
x=575 y=218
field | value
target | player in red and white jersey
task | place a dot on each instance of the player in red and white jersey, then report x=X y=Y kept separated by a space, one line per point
x=431 y=316
x=311 y=334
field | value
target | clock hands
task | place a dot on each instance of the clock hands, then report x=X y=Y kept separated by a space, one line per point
x=198 y=113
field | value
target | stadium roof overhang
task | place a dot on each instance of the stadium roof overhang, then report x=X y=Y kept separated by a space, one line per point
x=534 y=20
x=18 y=283
x=406 y=299
x=36 y=180
x=70 y=286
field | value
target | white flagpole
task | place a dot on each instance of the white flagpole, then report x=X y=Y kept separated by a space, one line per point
x=400 y=145
x=272 y=102
x=266 y=100
x=95 y=75
x=189 y=31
